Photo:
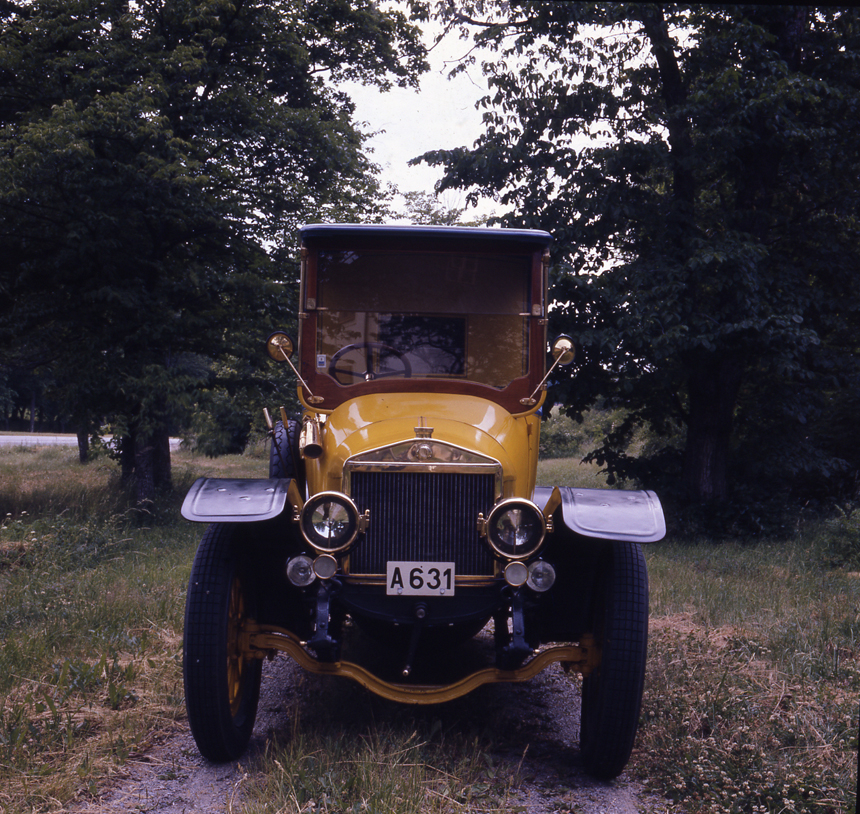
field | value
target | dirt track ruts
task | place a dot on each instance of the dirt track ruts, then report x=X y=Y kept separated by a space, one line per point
x=172 y=777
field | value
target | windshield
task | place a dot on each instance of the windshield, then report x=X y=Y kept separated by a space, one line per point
x=422 y=315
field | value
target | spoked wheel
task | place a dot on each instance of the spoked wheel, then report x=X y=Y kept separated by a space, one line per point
x=612 y=693
x=222 y=686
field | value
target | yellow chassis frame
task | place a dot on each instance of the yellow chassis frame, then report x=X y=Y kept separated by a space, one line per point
x=260 y=641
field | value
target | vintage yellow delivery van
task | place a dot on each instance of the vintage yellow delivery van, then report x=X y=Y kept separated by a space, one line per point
x=401 y=505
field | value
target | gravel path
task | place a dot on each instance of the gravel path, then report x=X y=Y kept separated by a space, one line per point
x=544 y=713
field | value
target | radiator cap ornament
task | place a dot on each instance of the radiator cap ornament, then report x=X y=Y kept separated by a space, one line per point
x=423 y=431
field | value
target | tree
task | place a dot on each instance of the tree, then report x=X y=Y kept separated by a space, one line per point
x=154 y=156
x=698 y=168
x=427 y=209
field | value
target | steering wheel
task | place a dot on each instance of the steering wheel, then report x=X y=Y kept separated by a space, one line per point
x=368 y=374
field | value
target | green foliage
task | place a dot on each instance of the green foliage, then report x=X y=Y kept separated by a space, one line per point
x=560 y=437
x=154 y=160
x=841 y=537
x=563 y=437
x=422 y=208
x=223 y=426
x=696 y=165
x=426 y=209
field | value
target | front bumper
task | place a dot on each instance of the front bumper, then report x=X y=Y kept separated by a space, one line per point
x=260 y=641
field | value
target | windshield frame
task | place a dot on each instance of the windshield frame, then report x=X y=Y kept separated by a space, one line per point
x=532 y=245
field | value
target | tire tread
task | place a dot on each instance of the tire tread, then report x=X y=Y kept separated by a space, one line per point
x=616 y=694
x=218 y=735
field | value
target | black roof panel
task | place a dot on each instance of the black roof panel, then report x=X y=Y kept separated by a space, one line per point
x=317 y=235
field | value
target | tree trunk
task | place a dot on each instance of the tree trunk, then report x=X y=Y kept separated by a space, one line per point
x=83 y=444
x=161 y=460
x=126 y=457
x=144 y=470
x=674 y=94
x=152 y=470
x=714 y=387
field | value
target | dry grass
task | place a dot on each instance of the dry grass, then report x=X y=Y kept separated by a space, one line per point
x=751 y=702
x=90 y=624
x=571 y=472
x=753 y=680
x=29 y=482
x=388 y=769
x=49 y=480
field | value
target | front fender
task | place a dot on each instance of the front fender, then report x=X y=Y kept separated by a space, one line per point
x=609 y=514
x=230 y=500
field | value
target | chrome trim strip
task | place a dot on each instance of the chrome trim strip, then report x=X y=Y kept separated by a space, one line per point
x=396 y=466
x=372 y=460
x=409 y=450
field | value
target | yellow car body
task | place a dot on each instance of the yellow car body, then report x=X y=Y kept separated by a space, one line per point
x=464 y=422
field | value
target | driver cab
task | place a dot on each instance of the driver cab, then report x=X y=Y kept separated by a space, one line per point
x=415 y=308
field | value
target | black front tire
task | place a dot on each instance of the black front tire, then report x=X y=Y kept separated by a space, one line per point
x=285 y=459
x=222 y=688
x=612 y=693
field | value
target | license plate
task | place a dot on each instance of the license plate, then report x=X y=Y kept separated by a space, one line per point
x=419 y=579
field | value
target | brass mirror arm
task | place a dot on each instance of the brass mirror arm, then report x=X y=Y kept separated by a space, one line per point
x=563 y=349
x=311 y=397
x=533 y=397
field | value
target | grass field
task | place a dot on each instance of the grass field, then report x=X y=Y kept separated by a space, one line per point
x=751 y=701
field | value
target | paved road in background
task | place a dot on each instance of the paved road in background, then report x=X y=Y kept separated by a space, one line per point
x=39 y=439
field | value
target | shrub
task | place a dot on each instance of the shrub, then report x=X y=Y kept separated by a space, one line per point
x=564 y=437
x=223 y=427
x=841 y=538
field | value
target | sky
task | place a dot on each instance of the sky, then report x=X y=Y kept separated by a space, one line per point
x=440 y=115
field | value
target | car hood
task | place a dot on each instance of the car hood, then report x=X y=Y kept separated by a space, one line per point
x=459 y=424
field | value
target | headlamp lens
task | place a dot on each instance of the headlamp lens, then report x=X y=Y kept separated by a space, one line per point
x=541 y=576
x=329 y=522
x=300 y=571
x=516 y=528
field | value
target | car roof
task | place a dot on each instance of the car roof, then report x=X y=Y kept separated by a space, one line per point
x=322 y=235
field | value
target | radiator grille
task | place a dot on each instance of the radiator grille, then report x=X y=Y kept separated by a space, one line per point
x=422 y=516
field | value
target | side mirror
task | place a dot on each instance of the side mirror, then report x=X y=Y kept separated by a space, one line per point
x=280 y=346
x=563 y=350
x=281 y=349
